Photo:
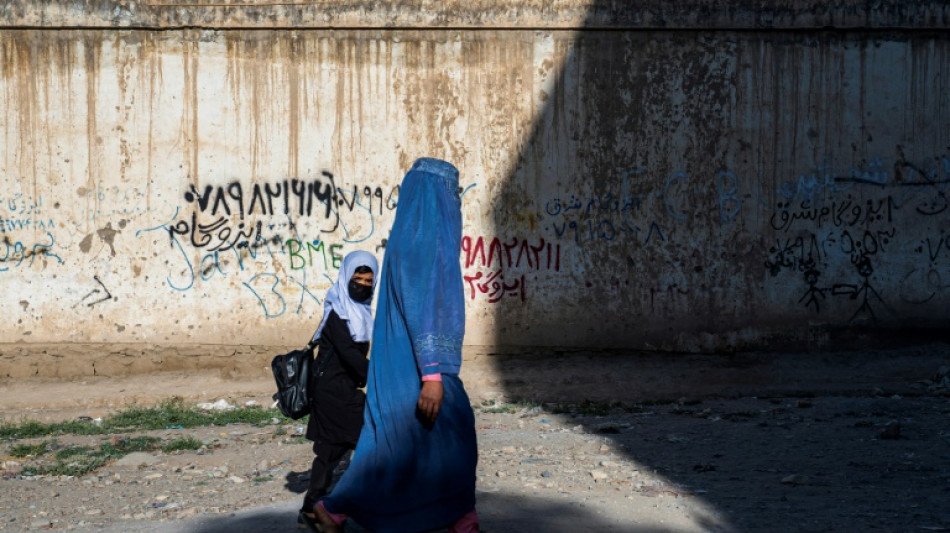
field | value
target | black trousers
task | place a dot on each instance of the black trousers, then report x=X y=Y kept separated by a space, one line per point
x=328 y=456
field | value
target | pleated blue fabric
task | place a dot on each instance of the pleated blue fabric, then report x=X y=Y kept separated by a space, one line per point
x=407 y=476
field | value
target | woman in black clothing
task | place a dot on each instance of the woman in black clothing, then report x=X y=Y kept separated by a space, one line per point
x=342 y=342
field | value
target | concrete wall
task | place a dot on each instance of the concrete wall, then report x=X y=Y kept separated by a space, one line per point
x=690 y=177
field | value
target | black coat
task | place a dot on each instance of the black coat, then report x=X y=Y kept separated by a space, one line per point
x=336 y=411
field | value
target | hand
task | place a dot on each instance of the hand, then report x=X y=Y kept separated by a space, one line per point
x=430 y=400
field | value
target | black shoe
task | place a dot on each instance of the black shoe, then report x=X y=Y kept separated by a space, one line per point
x=305 y=521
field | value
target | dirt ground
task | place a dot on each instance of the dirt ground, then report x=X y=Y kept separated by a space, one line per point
x=876 y=458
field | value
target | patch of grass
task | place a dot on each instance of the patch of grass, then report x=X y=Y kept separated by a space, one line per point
x=81 y=460
x=25 y=430
x=174 y=413
x=297 y=440
x=493 y=406
x=485 y=405
x=72 y=451
x=79 y=466
x=122 y=446
x=186 y=443
x=170 y=413
x=29 y=450
x=501 y=408
x=280 y=432
x=263 y=479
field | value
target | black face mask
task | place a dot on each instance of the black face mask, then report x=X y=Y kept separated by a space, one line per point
x=359 y=292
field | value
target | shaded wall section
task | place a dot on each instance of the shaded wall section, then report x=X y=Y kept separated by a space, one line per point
x=715 y=190
x=693 y=177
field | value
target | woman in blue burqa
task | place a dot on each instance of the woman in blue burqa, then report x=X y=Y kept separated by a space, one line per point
x=414 y=465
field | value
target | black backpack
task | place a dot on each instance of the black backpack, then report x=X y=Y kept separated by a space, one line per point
x=292 y=374
x=294 y=387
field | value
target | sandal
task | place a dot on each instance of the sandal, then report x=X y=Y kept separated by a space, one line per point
x=324 y=521
x=307 y=521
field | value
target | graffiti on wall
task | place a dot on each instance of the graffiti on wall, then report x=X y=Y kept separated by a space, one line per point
x=18 y=254
x=272 y=289
x=612 y=215
x=351 y=209
x=12 y=224
x=637 y=211
x=282 y=240
x=496 y=268
x=23 y=213
x=835 y=229
x=108 y=201
x=825 y=181
x=96 y=295
x=21 y=219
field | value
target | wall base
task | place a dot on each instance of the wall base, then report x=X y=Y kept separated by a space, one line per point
x=533 y=375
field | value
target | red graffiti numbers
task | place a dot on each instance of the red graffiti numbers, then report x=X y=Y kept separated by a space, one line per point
x=516 y=253
x=497 y=266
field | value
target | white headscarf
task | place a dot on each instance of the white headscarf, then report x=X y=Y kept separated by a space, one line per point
x=357 y=315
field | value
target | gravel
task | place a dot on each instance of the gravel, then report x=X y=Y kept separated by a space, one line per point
x=743 y=464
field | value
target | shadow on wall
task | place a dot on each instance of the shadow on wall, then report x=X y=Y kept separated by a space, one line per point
x=631 y=167
x=689 y=179
x=623 y=171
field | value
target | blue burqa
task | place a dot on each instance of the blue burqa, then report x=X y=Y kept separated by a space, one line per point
x=407 y=476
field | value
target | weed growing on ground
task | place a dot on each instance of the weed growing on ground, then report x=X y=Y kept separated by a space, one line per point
x=72 y=451
x=174 y=413
x=29 y=450
x=186 y=443
x=47 y=458
x=117 y=447
x=80 y=460
x=492 y=406
x=170 y=413
x=501 y=408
